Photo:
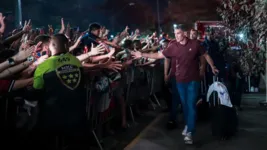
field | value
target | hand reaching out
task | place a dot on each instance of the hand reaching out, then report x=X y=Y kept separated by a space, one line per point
x=113 y=65
x=41 y=60
x=38 y=47
x=137 y=32
x=126 y=29
x=27 y=26
x=136 y=54
x=62 y=23
x=22 y=55
x=50 y=29
x=2 y=18
x=100 y=49
x=62 y=26
x=116 y=39
x=23 y=46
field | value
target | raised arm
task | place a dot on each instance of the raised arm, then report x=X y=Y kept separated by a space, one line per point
x=2 y=23
x=158 y=55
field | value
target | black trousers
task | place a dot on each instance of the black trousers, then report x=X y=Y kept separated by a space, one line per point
x=235 y=91
x=167 y=96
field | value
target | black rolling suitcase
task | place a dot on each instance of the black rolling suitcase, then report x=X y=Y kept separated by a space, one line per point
x=224 y=119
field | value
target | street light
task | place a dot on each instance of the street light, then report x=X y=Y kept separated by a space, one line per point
x=174 y=25
x=18 y=12
x=241 y=36
x=131 y=4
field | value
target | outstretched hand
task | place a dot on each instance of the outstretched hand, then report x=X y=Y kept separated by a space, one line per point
x=136 y=54
x=2 y=18
x=100 y=49
x=113 y=65
x=22 y=55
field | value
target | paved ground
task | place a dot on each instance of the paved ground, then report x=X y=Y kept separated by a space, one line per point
x=252 y=135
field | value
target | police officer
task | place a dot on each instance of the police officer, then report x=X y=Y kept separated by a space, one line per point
x=59 y=86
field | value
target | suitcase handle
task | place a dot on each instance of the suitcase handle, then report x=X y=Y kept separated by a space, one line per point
x=215 y=78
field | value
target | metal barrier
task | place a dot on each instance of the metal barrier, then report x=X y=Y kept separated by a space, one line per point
x=140 y=82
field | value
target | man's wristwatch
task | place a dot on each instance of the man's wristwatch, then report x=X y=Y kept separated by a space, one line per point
x=11 y=61
x=30 y=59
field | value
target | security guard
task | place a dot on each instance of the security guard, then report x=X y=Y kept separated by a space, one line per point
x=59 y=83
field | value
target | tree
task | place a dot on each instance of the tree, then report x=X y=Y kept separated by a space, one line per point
x=249 y=18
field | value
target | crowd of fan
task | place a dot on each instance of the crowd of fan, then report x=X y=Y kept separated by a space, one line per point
x=106 y=63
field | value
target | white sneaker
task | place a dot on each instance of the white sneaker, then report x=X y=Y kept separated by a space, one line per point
x=188 y=138
x=184 y=131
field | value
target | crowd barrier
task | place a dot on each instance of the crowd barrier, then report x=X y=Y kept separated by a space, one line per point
x=136 y=83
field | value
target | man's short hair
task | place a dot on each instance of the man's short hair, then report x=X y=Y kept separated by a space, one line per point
x=137 y=44
x=60 y=42
x=127 y=44
x=181 y=27
x=45 y=39
x=94 y=26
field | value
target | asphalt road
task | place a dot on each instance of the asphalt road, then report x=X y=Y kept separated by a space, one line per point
x=252 y=135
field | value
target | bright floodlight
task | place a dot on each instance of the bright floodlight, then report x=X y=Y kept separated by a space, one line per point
x=174 y=25
x=241 y=35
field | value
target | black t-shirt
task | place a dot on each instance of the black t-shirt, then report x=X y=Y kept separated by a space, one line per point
x=87 y=41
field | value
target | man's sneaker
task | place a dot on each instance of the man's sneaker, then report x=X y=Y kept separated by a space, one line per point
x=184 y=131
x=171 y=125
x=188 y=138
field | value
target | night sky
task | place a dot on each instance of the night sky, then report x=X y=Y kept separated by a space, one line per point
x=83 y=12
